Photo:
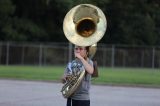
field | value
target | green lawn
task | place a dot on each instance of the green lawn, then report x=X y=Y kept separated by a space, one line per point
x=114 y=76
x=129 y=76
x=31 y=72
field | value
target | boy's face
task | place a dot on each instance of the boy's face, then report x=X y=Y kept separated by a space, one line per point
x=81 y=50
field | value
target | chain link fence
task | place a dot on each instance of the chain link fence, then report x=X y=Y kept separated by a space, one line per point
x=42 y=54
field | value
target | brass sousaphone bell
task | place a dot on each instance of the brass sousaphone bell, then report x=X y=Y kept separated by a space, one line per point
x=84 y=25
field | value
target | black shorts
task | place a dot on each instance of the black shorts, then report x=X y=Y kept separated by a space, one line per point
x=72 y=102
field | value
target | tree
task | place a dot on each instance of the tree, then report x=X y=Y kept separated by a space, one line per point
x=128 y=21
x=131 y=22
x=6 y=10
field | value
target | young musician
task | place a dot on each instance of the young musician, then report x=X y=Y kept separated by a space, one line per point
x=81 y=96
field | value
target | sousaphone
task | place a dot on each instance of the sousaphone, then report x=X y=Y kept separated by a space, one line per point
x=84 y=25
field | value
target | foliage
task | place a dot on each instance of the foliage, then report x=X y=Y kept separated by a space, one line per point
x=132 y=22
x=128 y=21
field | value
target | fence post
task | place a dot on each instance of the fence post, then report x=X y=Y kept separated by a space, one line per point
x=44 y=54
x=104 y=57
x=153 y=56
x=7 y=53
x=124 y=58
x=40 y=55
x=22 y=57
x=0 y=51
x=142 y=59
x=113 y=55
x=70 y=52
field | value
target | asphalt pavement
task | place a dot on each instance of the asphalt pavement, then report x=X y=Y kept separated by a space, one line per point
x=36 y=93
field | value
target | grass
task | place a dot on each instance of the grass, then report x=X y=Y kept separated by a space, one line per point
x=31 y=72
x=129 y=76
x=114 y=76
